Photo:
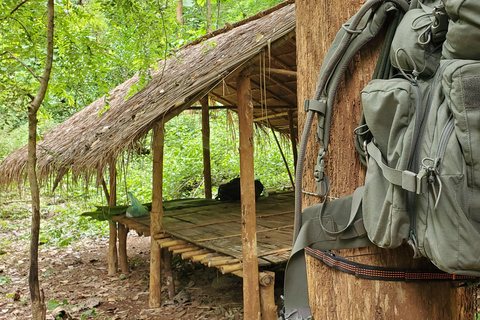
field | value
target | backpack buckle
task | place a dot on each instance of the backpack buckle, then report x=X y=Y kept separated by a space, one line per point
x=319 y=174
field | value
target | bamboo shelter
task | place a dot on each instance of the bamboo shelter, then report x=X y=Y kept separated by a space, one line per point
x=248 y=67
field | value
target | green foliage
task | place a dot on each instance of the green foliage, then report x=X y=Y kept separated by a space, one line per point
x=183 y=160
x=90 y=312
x=99 y=44
x=4 y=280
x=52 y=304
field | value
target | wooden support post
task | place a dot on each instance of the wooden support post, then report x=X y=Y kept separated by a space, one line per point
x=112 y=201
x=267 y=295
x=156 y=216
x=293 y=137
x=251 y=295
x=207 y=170
x=122 y=248
x=167 y=264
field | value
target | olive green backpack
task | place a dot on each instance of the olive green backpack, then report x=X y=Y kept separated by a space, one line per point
x=420 y=139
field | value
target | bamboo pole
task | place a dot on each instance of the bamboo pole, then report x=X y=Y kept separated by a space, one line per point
x=200 y=257
x=293 y=137
x=112 y=201
x=171 y=243
x=267 y=295
x=156 y=215
x=189 y=254
x=181 y=246
x=207 y=170
x=251 y=295
x=224 y=261
x=289 y=73
x=187 y=248
x=229 y=268
x=159 y=236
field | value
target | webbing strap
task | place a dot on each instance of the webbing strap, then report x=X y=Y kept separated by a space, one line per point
x=408 y=180
x=382 y=273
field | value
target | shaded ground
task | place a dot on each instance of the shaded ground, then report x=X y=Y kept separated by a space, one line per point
x=76 y=283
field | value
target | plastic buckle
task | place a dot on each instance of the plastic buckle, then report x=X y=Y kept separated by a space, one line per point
x=421 y=184
x=367 y=156
x=440 y=24
x=319 y=174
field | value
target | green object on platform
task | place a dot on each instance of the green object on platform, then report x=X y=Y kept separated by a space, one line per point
x=136 y=209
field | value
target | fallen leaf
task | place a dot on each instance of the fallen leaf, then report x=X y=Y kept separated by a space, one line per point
x=92 y=303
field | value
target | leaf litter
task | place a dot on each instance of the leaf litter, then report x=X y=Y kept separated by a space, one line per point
x=75 y=281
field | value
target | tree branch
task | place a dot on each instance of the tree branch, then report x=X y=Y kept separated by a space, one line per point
x=16 y=8
x=27 y=67
x=49 y=60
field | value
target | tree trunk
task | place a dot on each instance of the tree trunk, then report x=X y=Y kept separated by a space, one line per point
x=36 y=294
x=179 y=11
x=335 y=294
x=208 y=6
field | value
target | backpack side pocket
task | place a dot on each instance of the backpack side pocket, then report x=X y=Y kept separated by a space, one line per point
x=449 y=212
x=389 y=107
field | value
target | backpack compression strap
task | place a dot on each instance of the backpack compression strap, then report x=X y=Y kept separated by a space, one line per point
x=359 y=30
x=382 y=273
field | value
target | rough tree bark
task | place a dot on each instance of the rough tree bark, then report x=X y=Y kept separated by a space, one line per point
x=36 y=294
x=334 y=294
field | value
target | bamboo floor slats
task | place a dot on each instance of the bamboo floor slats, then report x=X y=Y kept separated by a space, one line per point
x=209 y=231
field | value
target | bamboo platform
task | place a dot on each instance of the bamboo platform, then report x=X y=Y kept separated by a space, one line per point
x=209 y=231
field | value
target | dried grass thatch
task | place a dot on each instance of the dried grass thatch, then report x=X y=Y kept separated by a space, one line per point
x=86 y=142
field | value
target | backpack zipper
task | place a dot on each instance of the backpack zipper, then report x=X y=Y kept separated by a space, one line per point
x=412 y=199
x=442 y=145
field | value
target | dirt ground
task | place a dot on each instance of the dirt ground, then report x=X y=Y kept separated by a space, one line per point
x=76 y=285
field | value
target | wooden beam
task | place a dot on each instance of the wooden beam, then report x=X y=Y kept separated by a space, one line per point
x=122 y=248
x=267 y=295
x=207 y=171
x=112 y=225
x=251 y=98
x=279 y=62
x=271 y=116
x=156 y=215
x=251 y=294
x=222 y=100
x=293 y=137
x=274 y=95
x=280 y=84
x=283 y=72
x=167 y=263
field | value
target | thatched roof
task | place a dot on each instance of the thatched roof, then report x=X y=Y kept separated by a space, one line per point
x=87 y=141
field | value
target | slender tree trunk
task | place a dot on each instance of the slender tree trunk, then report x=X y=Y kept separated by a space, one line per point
x=179 y=11
x=335 y=294
x=208 y=5
x=36 y=294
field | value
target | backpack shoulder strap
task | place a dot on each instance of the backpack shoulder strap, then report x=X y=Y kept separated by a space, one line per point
x=358 y=30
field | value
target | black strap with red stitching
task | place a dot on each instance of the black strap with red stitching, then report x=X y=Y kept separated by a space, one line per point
x=383 y=273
